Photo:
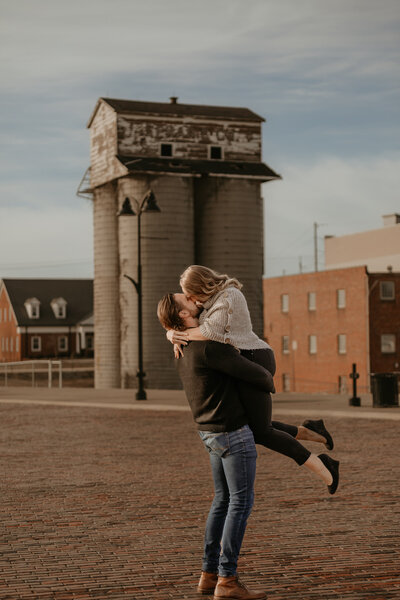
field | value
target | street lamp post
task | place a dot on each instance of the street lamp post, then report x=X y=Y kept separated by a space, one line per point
x=148 y=204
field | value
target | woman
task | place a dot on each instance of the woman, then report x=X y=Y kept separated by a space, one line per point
x=225 y=318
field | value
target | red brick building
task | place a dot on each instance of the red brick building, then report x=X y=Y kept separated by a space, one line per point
x=384 y=322
x=320 y=323
x=45 y=318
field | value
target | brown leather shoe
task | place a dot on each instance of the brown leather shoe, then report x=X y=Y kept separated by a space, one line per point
x=230 y=588
x=207 y=582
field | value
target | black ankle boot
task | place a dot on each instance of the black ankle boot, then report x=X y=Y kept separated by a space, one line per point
x=333 y=468
x=319 y=427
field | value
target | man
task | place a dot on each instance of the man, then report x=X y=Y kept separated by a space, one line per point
x=209 y=372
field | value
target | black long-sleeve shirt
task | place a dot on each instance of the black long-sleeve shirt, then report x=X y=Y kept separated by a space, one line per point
x=209 y=372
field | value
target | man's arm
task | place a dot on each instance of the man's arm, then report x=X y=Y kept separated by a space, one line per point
x=225 y=358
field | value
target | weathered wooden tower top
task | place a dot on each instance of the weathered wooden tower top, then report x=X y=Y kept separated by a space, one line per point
x=203 y=164
x=133 y=137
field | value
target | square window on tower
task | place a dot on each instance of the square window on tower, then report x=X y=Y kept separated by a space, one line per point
x=166 y=150
x=215 y=152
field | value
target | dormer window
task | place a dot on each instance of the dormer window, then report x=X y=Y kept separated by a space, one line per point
x=166 y=150
x=215 y=152
x=59 y=306
x=32 y=306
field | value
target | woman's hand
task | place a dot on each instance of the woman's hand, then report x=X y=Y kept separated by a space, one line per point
x=177 y=337
x=178 y=351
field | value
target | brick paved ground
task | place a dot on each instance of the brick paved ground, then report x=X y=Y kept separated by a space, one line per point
x=101 y=503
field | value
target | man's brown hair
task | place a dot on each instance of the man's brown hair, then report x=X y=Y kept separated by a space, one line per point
x=168 y=310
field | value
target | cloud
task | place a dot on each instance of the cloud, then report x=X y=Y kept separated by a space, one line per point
x=43 y=240
x=325 y=74
x=44 y=39
x=342 y=196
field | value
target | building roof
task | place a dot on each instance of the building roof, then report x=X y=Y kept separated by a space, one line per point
x=187 y=166
x=178 y=110
x=78 y=294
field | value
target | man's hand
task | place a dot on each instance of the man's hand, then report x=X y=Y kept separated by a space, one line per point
x=177 y=337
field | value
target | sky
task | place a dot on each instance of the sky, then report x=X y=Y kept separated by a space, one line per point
x=325 y=74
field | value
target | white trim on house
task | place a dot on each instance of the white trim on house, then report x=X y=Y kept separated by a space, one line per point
x=33 y=330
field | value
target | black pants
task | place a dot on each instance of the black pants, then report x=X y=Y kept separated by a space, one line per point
x=275 y=435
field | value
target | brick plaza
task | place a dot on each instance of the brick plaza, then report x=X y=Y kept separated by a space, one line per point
x=103 y=497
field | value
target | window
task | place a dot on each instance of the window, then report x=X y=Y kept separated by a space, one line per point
x=12 y=344
x=17 y=344
x=387 y=290
x=312 y=344
x=285 y=303
x=63 y=343
x=286 y=382
x=312 y=301
x=0 y=315
x=285 y=344
x=215 y=152
x=341 y=342
x=2 y=344
x=32 y=306
x=36 y=343
x=7 y=344
x=388 y=343
x=89 y=341
x=341 y=298
x=166 y=149
x=59 y=306
x=343 y=384
x=9 y=313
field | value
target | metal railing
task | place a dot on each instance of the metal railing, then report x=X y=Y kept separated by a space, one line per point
x=33 y=368
x=69 y=372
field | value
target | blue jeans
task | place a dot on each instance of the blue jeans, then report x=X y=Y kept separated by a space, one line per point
x=233 y=462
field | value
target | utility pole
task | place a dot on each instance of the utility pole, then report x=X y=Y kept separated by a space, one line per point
x=315 y=246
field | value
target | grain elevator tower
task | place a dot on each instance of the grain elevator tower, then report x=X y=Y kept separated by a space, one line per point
x=203 y=164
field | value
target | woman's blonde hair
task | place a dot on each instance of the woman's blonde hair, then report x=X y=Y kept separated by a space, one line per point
x=204 y=282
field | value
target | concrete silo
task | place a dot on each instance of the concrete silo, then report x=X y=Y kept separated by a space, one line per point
x=203 y=164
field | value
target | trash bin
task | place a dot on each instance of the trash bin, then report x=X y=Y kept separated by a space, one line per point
x=384 y=389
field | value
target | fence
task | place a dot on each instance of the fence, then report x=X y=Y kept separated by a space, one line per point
x=48 y=373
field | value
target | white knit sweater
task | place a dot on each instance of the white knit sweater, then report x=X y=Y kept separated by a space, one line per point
x=226 y=319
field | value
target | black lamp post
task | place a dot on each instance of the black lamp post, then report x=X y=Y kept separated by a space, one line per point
x=354 y=400
x=148 y=204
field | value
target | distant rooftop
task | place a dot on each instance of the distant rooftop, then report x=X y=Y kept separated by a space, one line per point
x=78 y=294
x=174 y=108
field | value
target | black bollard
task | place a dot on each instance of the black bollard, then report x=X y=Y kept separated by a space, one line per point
x=355 y=400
